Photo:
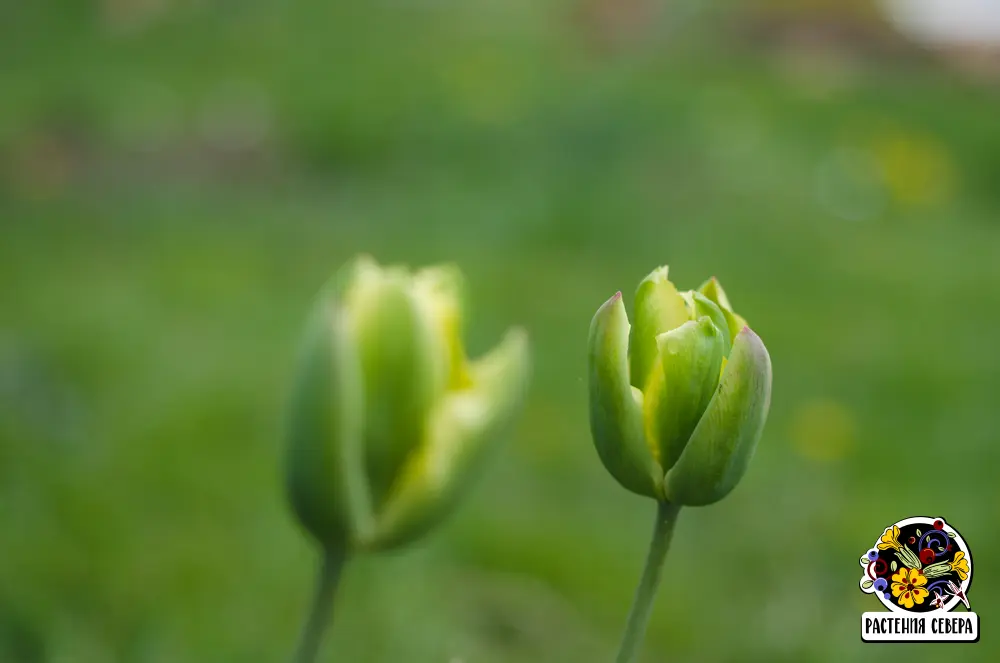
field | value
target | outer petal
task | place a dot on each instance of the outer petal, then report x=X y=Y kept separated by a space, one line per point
x=720 y=449
x=615 y=406
x=402 y=368
x=458 y=437
x=324 y=465
x=678 y=393
x=658 y=308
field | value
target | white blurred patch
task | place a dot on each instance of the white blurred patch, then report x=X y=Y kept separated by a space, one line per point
x=947 y=22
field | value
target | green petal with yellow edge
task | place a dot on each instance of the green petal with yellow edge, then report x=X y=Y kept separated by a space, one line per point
x=736 y=323
x=438 y=292
x=325 y=475
x=461 y=431
x=690 y=358
x=719 y=451
x=658 y=308
x=401 y=368
x=616 y=423
x=713 y=290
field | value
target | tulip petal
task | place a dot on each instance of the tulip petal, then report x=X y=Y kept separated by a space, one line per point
x=713 y=290
x=438 y=293
x=736 y=323
x=616 y=423
x=658 y=308
x=460 y=433
x=723 y=442
x=325 y=464
x=702 y=306
x=678 y=393
x=402 y=369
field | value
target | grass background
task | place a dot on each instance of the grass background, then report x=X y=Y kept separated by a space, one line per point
x=177 y=179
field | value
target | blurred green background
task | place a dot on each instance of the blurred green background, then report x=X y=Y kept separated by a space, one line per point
x=178 y=178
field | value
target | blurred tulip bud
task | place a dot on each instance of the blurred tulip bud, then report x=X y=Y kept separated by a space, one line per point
x=678 y=400
x=388 y=417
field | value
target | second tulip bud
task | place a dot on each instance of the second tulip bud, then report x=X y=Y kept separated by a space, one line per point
x=678 y=399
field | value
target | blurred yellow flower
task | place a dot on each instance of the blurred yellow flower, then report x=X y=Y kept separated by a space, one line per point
x=890 y=539
x=917 y=169
x=908 y=587
x=960 y=565
x=823 y=430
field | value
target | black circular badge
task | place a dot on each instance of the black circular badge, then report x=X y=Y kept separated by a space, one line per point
x=918 y=565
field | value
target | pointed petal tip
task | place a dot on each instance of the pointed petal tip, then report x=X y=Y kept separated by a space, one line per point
x=612 y=302
x=517 y=335
x=661 y=273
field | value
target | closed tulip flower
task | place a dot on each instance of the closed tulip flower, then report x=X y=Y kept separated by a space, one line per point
x=388 y=418
x=678 y=401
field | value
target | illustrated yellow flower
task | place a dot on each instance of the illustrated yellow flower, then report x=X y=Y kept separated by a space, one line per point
x=960 y=565
x=908 y=587
x=890 y=539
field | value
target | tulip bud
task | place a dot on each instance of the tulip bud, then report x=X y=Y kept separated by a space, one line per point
x=388 y=417
x=677 y=408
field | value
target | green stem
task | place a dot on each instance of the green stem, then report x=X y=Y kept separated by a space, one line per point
x=645 y=593
x=322 y=606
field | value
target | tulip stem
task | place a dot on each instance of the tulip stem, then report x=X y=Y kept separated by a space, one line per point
x=322 y=605
x=645 y=593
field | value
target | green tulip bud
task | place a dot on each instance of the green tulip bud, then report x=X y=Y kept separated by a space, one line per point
x=678 y=401
x=388 y=418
